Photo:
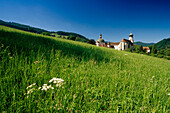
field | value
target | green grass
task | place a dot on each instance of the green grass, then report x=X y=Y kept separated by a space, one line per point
x=95 y=79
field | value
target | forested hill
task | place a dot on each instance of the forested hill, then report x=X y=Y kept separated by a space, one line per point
x=70 y=35
x=58 y=34
x=163 y=44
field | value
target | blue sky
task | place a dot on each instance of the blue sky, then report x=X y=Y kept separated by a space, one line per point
x=148 y=20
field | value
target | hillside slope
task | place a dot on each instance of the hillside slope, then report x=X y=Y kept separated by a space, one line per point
x=22 y=27
x=163 y=44
x=95 y=79
x=58 y=34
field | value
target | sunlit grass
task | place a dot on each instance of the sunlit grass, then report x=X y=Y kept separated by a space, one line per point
x=95 y=79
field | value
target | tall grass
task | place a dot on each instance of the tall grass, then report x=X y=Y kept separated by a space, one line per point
x=95 y=79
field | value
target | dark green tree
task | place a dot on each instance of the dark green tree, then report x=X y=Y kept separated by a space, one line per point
x=150 y=47
x=154 y=51
x=46 y=33
x=168 y=52
x=77 y=39
x=72 y=37
x=92 y=41
x=162 y=52
x=139 y=49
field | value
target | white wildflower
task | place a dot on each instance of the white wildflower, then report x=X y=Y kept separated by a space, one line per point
x=59 y=84
x=45 y=87
x=31 y=85
x=30 y=91
x=50 y=87
x=44 y=84
x=168 y=93
x=56 y=80
x=39 y=88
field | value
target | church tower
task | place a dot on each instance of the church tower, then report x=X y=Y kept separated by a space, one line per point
x=131 y=37
x=100 y=36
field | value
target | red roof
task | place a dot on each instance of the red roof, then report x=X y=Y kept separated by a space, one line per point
x=125 y=40
x=146 y=48
x=115 y=43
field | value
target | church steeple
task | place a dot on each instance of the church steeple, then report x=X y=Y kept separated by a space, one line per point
x=131 y=37
x=100 y=36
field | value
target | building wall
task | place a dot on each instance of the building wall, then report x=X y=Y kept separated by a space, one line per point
x=97 y=44
x=116 y=46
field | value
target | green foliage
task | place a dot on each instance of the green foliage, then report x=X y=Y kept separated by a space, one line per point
x=168 y=52
x=72 y=37
x=130 y=49
x=162 y=52
x=77 y=39
x=95 y=79
x=163 y=44
x=154 y=50
x=70 y=34
x=92 y=41
x=138 y=48
x=46 y=33
x=143 y=44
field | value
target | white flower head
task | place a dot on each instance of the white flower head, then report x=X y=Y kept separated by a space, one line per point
x=30 y=91
x=56 y=80
x=169 y=94
x=46 y=87
x=31 y=85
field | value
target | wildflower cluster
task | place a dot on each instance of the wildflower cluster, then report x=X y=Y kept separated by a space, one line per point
x=57 y=81
x=46 y=87
x=31 y=88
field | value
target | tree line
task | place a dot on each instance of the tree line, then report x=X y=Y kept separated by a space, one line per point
x=160 y=53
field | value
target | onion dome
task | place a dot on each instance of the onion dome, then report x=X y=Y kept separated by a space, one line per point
x=130 y=34
x=100 y=40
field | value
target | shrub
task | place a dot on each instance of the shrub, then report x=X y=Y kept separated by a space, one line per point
x=72 y=37
x=168 y=52
x=46 y=33
x=92 y=41
x=154 y=51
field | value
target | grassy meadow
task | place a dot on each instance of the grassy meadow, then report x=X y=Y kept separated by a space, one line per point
x=94 y=79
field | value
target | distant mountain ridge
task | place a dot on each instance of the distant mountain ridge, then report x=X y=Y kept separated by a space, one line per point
x=143 y=44
x=22 y=27
x=163 y=44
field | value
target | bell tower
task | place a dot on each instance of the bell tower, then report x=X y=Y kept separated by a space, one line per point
x=131 y=37
x=100 y=36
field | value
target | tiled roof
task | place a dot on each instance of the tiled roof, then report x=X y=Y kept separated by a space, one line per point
x=115 y=43
x=125 y=40
x=146 y=48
